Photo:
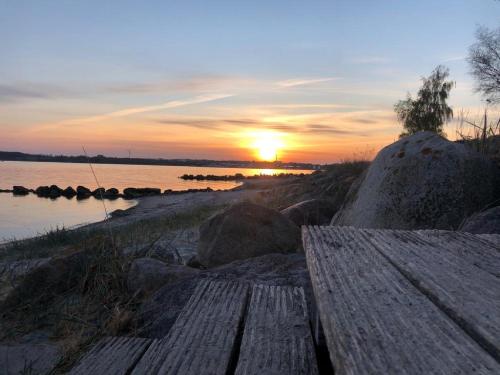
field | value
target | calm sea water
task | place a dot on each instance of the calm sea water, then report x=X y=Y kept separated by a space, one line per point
x=22 y=217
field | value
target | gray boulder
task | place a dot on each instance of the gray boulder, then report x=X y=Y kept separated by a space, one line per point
x=484 y=222
x=243 y=231
x=310 y=212
x=147 y=274
x=421 y=181
x=28 y=358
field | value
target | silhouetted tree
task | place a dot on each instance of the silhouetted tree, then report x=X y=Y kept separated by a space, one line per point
x=484 y=58
x=429 y=111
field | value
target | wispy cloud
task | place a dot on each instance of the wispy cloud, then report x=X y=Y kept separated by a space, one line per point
x=370 y=60
x=303 y=81
x=24 y=90
x=152 y=108
x=454 y=58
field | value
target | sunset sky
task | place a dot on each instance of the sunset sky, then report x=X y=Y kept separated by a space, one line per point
x=217 y=79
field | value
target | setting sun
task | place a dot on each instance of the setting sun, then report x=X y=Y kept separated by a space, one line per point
x=267 y=145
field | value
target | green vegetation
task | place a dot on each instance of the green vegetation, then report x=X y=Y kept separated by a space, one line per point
x=429 y=111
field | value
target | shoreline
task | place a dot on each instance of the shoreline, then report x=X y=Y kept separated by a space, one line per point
x=164 y=205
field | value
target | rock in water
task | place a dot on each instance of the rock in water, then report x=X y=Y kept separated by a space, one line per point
x=421 y=181
x=147 y=275
x=140 y=192
x=20 y=190
x=55 y=191
x=483 y=222
x=42 y=191
x=83 y=192
x=111 y=193
x=69 y=192
x=310 y=212
x=245 y=230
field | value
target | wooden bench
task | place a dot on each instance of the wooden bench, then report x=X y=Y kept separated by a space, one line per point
x=112 y=356
x=204 y=337
x=447 y=274
x=277 y=338
x=377 y=321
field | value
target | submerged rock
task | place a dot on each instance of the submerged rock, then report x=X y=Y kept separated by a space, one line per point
x=42 y=191
x=421 y=181
x=99 y=193
x=140 y=192
x=484 y=222
x=310 y=212
x=69 y=192
x=55 y=191
x=83 y=192
x=245 y=230
x=20 y=190
x=111 y=193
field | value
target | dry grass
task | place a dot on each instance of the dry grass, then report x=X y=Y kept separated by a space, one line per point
x=82 y=294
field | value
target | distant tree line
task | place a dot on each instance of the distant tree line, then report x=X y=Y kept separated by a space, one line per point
x=101 y=159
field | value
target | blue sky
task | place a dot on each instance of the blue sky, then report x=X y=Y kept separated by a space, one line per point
x=324 y=73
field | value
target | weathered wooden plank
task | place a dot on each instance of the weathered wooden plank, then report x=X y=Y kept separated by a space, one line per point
x=493 y=238
x=277 y=337
x=113 y=356
x=375 y=320
x=203 y=338
x=469 y=247
x=466 y=293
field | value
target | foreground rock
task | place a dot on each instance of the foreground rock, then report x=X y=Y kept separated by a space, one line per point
x=49 y=279
x=310 y=212
x=12 y=273
x=160 y=311
x=147 y=275
x=421 y=181
x=243 y=231
x=38 y=358
x=484 y=222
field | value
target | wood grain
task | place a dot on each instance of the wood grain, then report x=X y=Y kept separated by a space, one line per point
x=277 y=338
x=204 y=337
x=375 y=320
x=113 y=356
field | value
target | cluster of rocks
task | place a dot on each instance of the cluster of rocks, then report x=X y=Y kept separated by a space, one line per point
x=235 y=177
x=82 y=192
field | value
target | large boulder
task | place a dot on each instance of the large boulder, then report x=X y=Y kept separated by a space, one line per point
x=310 y=212
x=484 y=222
x=245 y=230
x=147 y=274
x=421 y=181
